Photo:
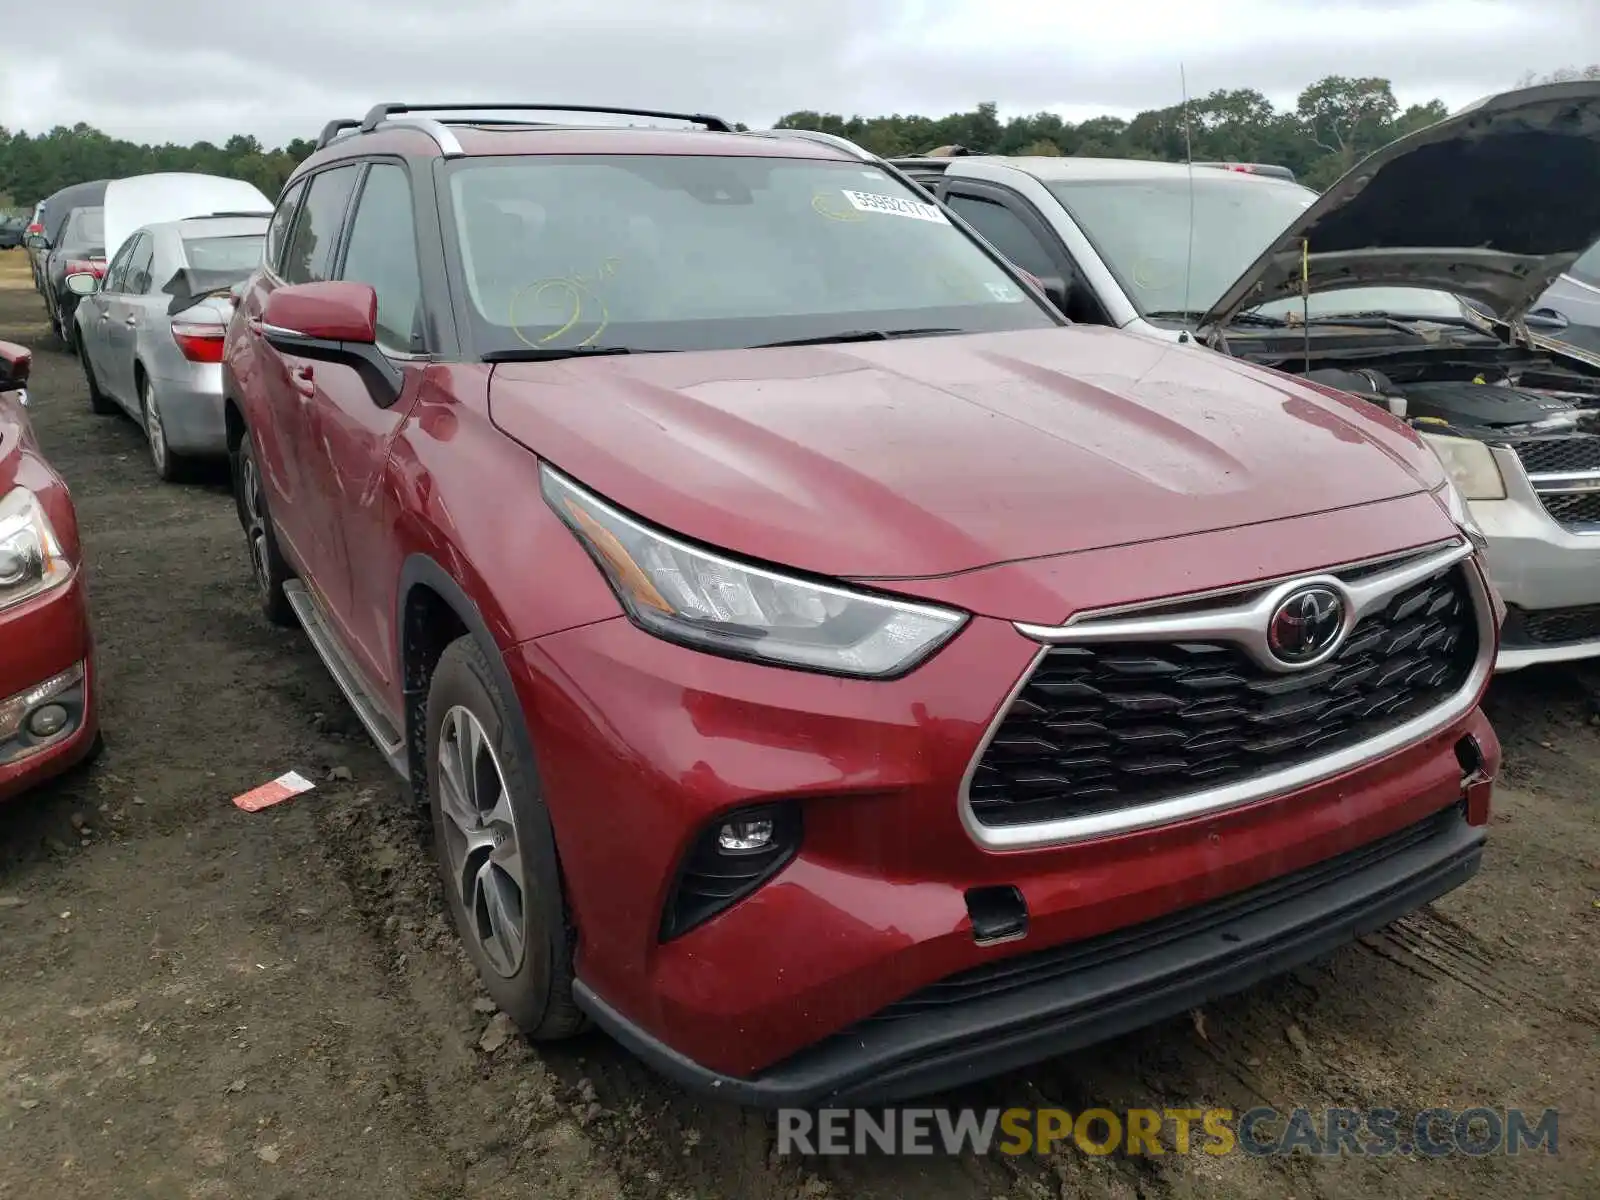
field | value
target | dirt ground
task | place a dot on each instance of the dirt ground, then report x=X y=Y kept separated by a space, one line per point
x=200 y=1002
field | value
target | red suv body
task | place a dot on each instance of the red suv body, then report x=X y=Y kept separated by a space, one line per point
x=828 y=672
x=48 y=719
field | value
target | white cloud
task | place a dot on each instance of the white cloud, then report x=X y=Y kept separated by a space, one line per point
x=182 y=70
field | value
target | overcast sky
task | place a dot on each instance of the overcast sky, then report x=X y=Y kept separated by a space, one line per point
x=182 y=70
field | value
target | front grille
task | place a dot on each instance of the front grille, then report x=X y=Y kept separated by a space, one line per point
x=1062 y=963
x=1556 y=626
x=1560 y=455
x=1106 y=726
x=1572 y=508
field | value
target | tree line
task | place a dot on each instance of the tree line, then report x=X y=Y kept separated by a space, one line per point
x=1333 y=124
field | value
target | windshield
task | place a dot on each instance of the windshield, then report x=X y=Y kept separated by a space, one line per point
x=233 y=257
x=1141 y=229
x=1587 y=268
x=86 y=228
x=650 y=252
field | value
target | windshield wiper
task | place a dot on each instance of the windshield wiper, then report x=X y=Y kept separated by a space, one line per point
x=857 y=335
x=551 y=353
x=1194 y=314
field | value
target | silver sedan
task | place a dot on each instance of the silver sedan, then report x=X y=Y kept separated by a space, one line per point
x=150 y=332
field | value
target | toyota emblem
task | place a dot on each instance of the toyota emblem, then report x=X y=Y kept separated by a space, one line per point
x=1306 y=625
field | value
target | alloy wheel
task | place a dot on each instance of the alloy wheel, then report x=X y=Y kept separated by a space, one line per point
x=483 y=853
x=154 y=431
x=255 y=523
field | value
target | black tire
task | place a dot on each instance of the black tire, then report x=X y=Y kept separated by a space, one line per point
x=99 y=402
x=267 y=564
x=66 y=332
x=537 y=993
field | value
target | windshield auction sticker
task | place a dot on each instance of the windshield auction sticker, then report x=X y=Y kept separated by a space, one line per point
x=894 y=206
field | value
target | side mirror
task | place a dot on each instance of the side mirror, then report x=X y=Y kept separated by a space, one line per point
x=82 y=283
x=1546 y=318
x=333 y=322
x=333 y=312
x=16 y=363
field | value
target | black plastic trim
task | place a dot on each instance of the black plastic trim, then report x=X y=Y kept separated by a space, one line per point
x=788 y=831
x=930 y=1050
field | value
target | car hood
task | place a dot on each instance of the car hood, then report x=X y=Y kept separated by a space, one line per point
x=1493 y=203
x=930 y=456
x=141 y=200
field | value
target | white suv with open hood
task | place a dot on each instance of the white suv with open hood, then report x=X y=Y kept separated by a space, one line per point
x=1411 y=282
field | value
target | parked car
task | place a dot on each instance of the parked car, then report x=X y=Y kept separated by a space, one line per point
x=1573 y=302
x=80 y=249
x=160 y=196
x=150 y=333
x=48 y=721
x=827 y=671
x=53 y=212
x=12 y=230
x=1512 y=410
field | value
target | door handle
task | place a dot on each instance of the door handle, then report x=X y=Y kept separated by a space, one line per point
x=303 y=383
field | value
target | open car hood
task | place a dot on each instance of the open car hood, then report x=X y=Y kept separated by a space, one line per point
x=1493 y=203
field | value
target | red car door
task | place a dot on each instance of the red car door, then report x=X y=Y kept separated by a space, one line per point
x=355 y=426
x=287 y=436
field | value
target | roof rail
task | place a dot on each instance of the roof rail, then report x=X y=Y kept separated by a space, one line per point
x=333 y=129
x=241 y=213
x=821 y=138
x=379 y=113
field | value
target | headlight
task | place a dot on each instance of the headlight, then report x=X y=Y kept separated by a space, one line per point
x=701 y=599
x=1470 y=465
x=30 y=556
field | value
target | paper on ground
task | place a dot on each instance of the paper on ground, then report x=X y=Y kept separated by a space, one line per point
x=289 y=784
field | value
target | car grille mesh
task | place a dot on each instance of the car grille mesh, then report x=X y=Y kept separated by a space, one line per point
x=1555 y=626
x=1573 y=508
x=1560 y=455
x=1103 y=727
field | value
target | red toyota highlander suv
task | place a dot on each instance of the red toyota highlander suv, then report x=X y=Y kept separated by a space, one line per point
x=829 y=672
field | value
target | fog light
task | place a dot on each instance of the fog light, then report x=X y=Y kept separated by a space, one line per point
x=15 y=709
x=746 y=836
x=47 y=721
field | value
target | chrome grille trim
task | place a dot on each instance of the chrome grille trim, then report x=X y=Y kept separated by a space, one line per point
x=1229 y=623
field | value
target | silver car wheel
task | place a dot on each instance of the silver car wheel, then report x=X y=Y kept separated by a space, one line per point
x=153 y=429
x=483 y=853
x=255 y=523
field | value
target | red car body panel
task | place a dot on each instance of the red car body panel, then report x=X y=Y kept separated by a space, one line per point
x=937 y=455
x=1020 y=477
x=42 y=637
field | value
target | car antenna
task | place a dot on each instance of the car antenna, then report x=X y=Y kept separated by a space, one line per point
x=1188 y=158
x=1305 y=295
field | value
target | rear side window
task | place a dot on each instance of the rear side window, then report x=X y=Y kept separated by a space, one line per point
x=383 y=252
x=1005 y=231
x=278 y=227
x=139 y=262
x=309 y=257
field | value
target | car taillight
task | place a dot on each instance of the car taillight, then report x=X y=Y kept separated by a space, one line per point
x=35 y=228
x=92 y=266
x=200 y=343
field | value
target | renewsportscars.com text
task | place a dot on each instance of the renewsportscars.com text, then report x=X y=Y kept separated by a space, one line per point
x=1262 y=1132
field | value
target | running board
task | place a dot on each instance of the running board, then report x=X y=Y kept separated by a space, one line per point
x=382 y=731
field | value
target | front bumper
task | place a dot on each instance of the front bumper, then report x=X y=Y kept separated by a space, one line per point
x=1539 y=567
x=1008 y=1014
x=642 y=743
x=39 y=640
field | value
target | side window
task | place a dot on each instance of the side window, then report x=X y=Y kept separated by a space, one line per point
x=1006 y=232
x=278 y=227
x=117 y=273
x=383 y=252
x=309 y=256
x=138 y=280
